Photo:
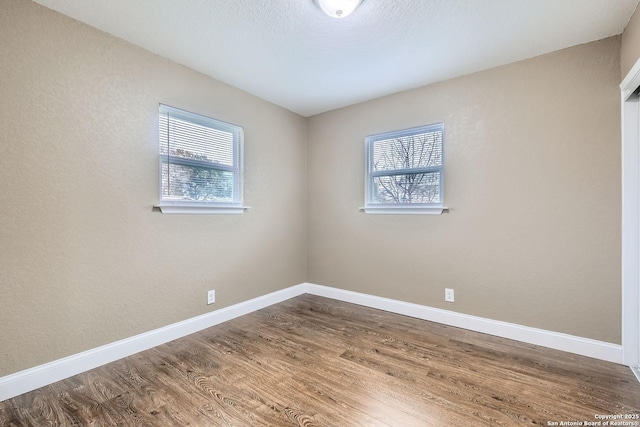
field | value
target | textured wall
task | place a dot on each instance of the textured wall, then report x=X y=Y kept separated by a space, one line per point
x=532 y=177
x=83 y=259
x=630 y=51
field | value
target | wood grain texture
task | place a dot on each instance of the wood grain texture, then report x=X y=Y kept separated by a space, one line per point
x=313 y=361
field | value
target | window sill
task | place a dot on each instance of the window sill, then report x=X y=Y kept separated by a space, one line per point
x=405 y=210
x=200 y=209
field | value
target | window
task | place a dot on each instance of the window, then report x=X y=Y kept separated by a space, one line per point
x=404 y=171
x=200 y=164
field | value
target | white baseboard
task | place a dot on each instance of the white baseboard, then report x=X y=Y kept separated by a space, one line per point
x=39 y=376
x=569 y=343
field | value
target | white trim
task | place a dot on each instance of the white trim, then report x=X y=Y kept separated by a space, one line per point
x=404 y=210
x=39 y=376
x=559 y=341
x=630 y=113
x=200 y=209
x=631 y=82
x=636 y=370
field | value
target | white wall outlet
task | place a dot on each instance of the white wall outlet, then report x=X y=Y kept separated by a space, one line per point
x=211 y=297
x=448 y=295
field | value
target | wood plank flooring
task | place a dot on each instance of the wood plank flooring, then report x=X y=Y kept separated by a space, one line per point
x=313 y=361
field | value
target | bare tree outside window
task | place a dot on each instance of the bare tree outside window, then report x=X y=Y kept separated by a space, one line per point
x=406 y=168
x=189 y=182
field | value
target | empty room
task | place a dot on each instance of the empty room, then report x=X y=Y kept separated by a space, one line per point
x=319 y=212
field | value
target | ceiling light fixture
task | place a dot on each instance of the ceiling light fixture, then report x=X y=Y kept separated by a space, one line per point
x=338 y=8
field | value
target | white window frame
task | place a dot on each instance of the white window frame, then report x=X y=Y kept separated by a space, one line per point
x=204 y=207
x=373 y=207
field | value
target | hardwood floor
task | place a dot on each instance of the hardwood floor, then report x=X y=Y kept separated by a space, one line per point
x=313 y=361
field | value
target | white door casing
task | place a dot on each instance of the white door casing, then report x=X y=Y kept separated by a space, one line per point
x=631 y=218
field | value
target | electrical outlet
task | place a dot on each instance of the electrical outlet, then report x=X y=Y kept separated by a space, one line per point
x=211 y=297
x=448 y=295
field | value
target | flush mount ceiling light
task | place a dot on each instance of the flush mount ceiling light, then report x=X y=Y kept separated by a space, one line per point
x=338 y=8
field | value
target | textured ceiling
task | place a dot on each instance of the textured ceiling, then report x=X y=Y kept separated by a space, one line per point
x=290 y=53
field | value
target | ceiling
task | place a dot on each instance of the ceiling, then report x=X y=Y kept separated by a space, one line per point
x=293 y=55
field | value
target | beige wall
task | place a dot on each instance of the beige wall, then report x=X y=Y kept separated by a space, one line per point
x=532 y=178
x=83 y=259
x=630 y=51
